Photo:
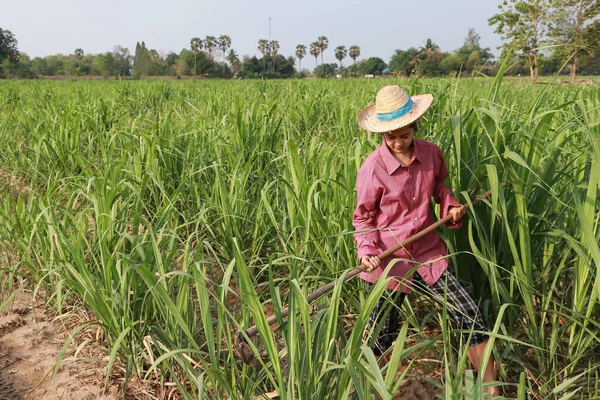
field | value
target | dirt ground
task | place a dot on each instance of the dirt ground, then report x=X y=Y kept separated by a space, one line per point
x=30 y=343
x=415 y=389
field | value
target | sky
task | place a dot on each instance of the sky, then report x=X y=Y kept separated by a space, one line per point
x=378 y=27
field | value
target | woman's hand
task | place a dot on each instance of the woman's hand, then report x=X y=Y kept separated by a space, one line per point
x=369 y=263
x=457 y=212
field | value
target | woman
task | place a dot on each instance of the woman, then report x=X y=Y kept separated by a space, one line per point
x=394 y=186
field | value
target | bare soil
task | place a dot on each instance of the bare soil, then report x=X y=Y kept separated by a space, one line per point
x=30 y=343
x=417 y=389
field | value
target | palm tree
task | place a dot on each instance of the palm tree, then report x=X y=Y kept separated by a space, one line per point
x=430 y=48
x=210 y=42
x=354 y=52
x=233 y=58
x=263 y=46
x=340 y=53
x=224 y=43
x=79 y=56
x=196 y=45
x=274 y=49
x=415 y=62
x=315 y=50
x=300 y=53
x=418 y=56
x=323 y=43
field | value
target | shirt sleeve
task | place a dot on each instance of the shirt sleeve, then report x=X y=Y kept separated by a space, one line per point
x=365 y=215
x=441 y=192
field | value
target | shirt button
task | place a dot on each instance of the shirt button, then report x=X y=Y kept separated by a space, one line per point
x=414 y=198
x=416 y=218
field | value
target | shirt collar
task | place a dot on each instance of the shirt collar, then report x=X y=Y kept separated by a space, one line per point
x=390 y=162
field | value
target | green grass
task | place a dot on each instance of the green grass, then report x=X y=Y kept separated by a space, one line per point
x=176 y=212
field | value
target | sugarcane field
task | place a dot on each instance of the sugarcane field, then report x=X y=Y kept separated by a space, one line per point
x=158 y=220
x=278 y=217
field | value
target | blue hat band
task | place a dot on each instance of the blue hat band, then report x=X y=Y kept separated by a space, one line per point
x=405 y=109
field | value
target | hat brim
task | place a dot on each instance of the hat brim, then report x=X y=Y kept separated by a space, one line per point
x=368 y=120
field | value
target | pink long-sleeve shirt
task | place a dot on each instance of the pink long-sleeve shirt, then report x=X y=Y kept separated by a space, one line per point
x=394 y=204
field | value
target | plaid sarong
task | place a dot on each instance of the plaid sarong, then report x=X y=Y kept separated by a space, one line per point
x=461 y=306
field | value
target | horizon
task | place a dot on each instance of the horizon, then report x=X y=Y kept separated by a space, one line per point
x=50 y=30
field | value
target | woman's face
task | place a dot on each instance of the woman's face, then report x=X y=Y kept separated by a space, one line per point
x=400 y=140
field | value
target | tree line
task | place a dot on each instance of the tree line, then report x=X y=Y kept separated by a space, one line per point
x=542 y=37
x=546 y=32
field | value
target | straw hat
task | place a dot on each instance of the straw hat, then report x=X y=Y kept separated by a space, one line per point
x=393 y=109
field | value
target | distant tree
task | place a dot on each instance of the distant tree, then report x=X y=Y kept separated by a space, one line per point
x=79 y=56
x=268 y=48
x=373 y=65
x=474 y=61
x=569 y=18
x=252 y=68
x=105 y=63
x=323 y=43
x=340 y=53
x=224 y=43
x=415 y=62
x=354 y=52
x=8 y=46
x=87 y=64
x=430 y=66
x=430 y=48
x=170 y=59
x=9 y=53
x=70 y=65
x=55 y=64
x=590 y=61
x=274 y=46
x=300 y=53
x=210 y=42
x=180 y=67
x=204 y=64
x=429 y=59
x=141 y=60
x=122 y=60
x=592 y=35
x=24 y=58
x=402 y=61
x=471 y=45
x=156 y=63
x=233 y=59
x=523 y=25
x=450 y=64
x=285 y=66
x=551 y=64
x=196 y=45
x=263 y=47
x=325 y=70
x=39 y=66
x=22 y=69
x=315 y=50
x=472 y=39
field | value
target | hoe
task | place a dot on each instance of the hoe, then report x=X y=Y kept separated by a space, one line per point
x=242 y=338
